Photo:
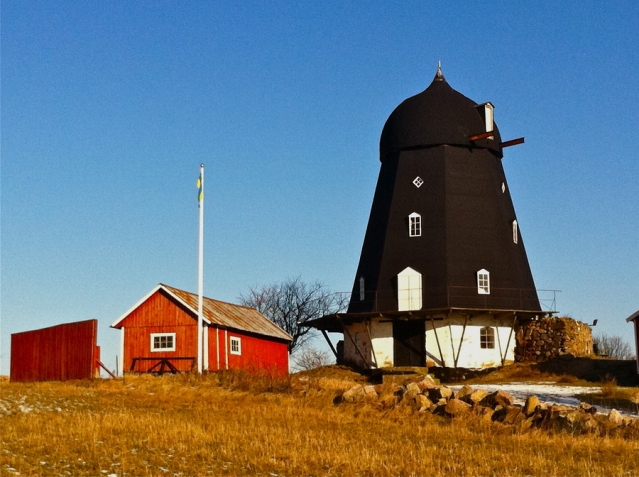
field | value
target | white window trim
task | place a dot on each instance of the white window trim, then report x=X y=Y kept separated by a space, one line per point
x=161 y=350
x=238 y=340
x=483 y=282
x=515 y=232
x=416 y=219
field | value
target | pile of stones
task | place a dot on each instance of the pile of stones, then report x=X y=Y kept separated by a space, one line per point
x=425 y=395
x=540 y=340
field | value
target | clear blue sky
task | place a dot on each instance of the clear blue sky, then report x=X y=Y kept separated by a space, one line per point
x=108 y=108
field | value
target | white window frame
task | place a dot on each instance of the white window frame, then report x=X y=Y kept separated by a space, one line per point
x=414 y=225
x=409 y=290
x=515 y=232
x=489 y=116
x=487 y=337
x=155 y=349
x=483 y=282
x=235 y=340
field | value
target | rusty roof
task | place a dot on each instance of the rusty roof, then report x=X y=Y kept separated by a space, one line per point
x=219 y=313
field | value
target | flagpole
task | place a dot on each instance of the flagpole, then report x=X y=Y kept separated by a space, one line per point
x=200 y=273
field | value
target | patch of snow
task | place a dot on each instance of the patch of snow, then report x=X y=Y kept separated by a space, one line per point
x=547 y=392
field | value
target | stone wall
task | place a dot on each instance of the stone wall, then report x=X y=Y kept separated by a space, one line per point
x=546 y=338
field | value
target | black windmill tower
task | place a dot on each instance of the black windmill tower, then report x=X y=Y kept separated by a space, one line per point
x=442 y=232
x=442 y=243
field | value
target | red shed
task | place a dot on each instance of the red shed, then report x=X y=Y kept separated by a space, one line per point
x=159 y=333
x=57 y=353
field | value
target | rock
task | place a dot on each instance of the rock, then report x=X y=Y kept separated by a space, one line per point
x=412 y=390
x=427 y=383
x=556 y=410
x=581 y=421
x=476 y=396
x=509 y=415
x=455 y=407
x=485 y=413
x=530 y=406
x=615 y=418
x=587 y=408
x=422 y=403
x=370 y=392
x=498 y=398
x=439 y=409
x=359 y=393
x=440 y=392
x=463 y=392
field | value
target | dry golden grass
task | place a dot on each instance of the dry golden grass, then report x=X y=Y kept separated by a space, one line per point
x=227 y=425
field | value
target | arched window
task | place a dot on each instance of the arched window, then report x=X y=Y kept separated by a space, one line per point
x=362 y=292
x=414 y=225
x=409 y=290
x=487 y=338
x=483 y=282
x=515 y=232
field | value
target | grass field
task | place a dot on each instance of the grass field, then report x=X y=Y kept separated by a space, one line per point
x=231 y=425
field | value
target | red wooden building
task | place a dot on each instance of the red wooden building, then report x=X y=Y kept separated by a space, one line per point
x=159 y=333
x=58 y=353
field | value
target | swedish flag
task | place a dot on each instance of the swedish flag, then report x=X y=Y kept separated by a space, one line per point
x=200 y=192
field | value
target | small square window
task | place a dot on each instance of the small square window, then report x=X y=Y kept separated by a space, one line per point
x=236 y=345
x=162 y=342
x=418 y=181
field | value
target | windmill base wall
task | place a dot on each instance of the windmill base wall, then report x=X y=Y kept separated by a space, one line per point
x=547 y=338
x=454 y=340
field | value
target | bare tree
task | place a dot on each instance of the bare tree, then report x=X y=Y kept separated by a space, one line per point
x=309 y=358
x=293 y=302
x=615 y=346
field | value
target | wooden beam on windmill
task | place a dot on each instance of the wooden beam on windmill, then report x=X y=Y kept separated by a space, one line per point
x=477 y=137
x=512 y=142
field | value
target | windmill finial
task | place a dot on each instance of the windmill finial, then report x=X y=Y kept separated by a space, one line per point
x=439 y=76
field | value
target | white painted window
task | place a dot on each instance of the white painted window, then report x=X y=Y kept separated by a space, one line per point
x=515 y=232
x=415 y=225
x=162 y=342
x=362 y=292
x=418 y=181
x=487 y=338
x=488 y=116
x=236 y=345
x=483 y=282
x=409 y=290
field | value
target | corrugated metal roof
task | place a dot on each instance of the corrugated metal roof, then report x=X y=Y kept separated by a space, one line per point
x=221 y=313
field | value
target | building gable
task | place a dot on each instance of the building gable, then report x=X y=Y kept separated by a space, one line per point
x=159 y=309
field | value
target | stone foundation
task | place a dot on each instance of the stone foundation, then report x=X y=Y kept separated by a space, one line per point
x=546 y=338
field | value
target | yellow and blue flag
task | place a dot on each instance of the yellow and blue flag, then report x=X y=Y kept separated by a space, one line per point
x=200 y=192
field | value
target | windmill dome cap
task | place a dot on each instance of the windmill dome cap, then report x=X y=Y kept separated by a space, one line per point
x=439 y=115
